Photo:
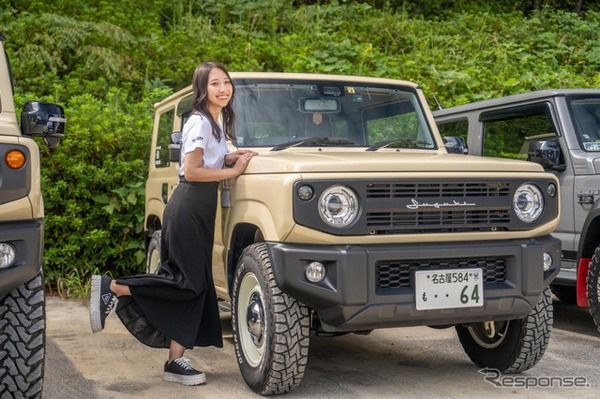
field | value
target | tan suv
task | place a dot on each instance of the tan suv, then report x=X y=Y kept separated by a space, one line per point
x=22 y=300
x=355 y=217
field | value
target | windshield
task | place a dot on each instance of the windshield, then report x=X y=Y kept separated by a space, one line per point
x=292 y=113
x=585 y=112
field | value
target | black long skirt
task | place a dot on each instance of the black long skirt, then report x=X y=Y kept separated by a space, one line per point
x=179 y=302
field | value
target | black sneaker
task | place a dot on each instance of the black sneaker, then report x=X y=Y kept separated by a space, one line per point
x=102 y=302
x=181 y=371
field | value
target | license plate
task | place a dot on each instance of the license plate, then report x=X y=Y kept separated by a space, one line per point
x=445 y=289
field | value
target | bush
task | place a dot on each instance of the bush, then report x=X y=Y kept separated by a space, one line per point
x=93 y=186
x=108 y=62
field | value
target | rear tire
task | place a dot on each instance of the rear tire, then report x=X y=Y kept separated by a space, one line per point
x=23 y=339
x=270 y=329
x=510 y=346
x=153 y=253
x=593 y=287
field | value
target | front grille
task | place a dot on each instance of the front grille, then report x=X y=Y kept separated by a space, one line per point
x=396 y=274
x=437 y=207
x=443 y=190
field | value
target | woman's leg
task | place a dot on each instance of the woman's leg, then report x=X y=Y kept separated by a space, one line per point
x=178 y=368
x=119 y=289
x=176 y=351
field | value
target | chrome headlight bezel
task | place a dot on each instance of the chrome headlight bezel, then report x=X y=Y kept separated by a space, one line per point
x=528 y=203
x=338 y=206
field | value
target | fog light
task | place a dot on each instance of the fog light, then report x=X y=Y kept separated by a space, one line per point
x=7 y=255
x=315 y=272
x=547 y=261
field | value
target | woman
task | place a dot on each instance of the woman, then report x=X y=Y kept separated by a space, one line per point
x=177 y=307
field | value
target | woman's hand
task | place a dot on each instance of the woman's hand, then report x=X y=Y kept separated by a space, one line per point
x=232 y=157
x=242 y=158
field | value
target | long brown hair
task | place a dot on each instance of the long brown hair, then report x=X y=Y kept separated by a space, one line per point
x=200 y=104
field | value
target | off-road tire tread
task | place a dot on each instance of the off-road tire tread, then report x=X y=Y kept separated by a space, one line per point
x=536 y=335
x=593 y=287
x=22 y=340
x=291 y=332
x=533 y=339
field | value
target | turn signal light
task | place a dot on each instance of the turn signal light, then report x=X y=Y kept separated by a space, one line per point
x=15 y=159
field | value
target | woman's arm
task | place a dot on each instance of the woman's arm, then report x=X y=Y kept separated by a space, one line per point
x=193 y=172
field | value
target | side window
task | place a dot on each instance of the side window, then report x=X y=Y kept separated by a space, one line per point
x=458 y=129
x=509 y=133
x=165 y=128
x=455 y=135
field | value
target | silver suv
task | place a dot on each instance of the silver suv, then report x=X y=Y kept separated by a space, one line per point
x=22 y=300
x=560 y=130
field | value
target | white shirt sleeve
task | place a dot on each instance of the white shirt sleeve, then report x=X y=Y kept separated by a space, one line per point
x=197 y=133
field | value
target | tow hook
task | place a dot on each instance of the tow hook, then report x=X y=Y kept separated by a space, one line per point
x=490 y=329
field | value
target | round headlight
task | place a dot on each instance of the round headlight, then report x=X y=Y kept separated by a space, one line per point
x=528 y=203
x=338 y=206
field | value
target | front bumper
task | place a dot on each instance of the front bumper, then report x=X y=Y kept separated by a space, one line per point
x=27 y=238
x=353 y=296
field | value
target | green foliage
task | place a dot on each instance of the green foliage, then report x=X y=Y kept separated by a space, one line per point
x=94 y=188
x=107 y=62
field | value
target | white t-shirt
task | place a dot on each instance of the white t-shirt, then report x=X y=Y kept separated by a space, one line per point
x=197 y=133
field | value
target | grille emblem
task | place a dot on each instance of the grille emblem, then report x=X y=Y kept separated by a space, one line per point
x=437 y=205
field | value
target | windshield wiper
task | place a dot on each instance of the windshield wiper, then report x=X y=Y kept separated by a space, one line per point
x=402 y=143
x=313 y=141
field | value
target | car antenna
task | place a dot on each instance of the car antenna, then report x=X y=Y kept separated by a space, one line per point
x=439 y=105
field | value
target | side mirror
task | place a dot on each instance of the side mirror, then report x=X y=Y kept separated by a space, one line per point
x=455 y=145
x=175 y=147
x=43 y=119
x=546 y=153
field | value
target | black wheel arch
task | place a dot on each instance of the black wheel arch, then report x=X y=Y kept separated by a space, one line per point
x=590 y=233
x=243 y=235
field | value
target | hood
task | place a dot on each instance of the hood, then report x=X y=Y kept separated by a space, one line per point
x=327 y=160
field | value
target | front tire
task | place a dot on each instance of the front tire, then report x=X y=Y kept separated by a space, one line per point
x=23 y=339
x=270 y=329
x=510 y=346
x=593 y=287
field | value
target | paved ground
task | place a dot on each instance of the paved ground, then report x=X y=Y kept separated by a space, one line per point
x=415 y=362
